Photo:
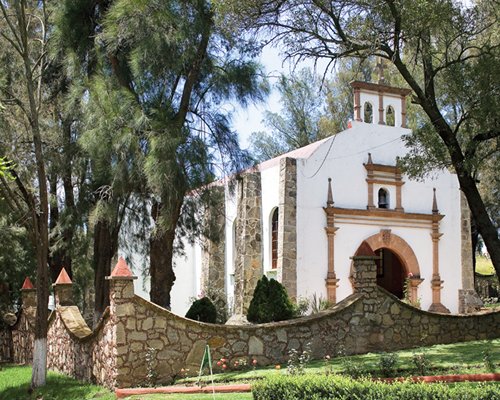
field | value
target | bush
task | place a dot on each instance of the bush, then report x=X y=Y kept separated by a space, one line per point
x=318 y=387
x=202 y=310
x=270 y=302
x=387 y=364
x=421 y=363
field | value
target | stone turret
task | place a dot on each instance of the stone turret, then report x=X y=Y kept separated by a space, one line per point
x=63 y=289
x=28 y=295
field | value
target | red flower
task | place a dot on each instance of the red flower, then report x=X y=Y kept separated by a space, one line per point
x=254 y=362
x=224 y=366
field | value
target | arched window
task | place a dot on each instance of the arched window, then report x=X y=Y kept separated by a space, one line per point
x=390 y=117
x=368 y=113
x=274 y=238
x=383 y=198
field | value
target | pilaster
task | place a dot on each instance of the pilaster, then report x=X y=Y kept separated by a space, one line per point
x=330 y=229
x=436 y=282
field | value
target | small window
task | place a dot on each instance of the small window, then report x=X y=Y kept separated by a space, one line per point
x=383 y=198
x=274 y=239
x=390 y=117
x=368 y=113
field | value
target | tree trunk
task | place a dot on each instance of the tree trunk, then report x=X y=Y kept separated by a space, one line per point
x=105 y=247
x=161 y=256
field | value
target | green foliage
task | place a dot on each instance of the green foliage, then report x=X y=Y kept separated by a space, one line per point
x=203 y=310
x=270 y=302
x=320 y=387
x=387 y=364
x=422 y=363
x=297 y=361
x=303 y=99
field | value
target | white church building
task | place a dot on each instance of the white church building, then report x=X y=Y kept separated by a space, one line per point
x=300 y=217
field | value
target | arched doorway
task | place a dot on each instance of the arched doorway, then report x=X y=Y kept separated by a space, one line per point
x=399 y=256
x=391 y=272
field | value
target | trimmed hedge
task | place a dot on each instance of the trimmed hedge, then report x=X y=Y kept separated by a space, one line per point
x=270 y=302
x=322 y=387
x=203 y=310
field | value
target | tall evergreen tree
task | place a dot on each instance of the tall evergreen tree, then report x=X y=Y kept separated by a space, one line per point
x=174 y=70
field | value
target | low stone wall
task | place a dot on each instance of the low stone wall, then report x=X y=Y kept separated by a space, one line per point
x=134 y=330
x=5 y=344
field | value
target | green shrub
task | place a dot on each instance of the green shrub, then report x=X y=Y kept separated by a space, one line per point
x=422 y=363
x=387 y=364
x=202 y=310
x=270 y=302
x=319 y=387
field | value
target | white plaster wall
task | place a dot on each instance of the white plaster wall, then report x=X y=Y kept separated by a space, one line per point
x=231 y=199
x=343 y=162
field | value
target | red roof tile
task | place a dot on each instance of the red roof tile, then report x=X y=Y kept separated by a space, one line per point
x=63 y=277
x=365 y=250
x=27 y=284
x=121 y=269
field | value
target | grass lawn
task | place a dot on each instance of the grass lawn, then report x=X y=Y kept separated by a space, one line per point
x=15 y=383
x=467 y=357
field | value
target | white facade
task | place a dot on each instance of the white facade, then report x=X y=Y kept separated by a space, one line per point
x=342 y=158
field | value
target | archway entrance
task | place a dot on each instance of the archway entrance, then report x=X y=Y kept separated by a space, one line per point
x=391 y=272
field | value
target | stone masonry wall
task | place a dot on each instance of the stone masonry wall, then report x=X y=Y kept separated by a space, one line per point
x=287 y=226
x=213 y=257
x=248 y=268
x=468 y=300
x=5 y=344
x=369 y=320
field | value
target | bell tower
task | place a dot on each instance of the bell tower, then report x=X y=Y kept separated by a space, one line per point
x=378 y=103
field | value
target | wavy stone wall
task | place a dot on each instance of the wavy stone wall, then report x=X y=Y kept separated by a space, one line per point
x=369 y=320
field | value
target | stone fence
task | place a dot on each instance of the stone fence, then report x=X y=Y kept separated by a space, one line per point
x=133 y=330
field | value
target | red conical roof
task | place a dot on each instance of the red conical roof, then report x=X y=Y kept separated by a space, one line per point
x=121 y=269
x=365 y=250
x=27 y=284
x=63 y=277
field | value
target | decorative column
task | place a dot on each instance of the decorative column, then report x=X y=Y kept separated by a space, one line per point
x=357 y=105
x=369 y=180
x=399 y=184
x=23 y=332
x=436 y=281
x=331 y=277
x=63 y=290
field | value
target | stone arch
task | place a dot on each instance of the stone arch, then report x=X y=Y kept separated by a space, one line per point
x=386 y=239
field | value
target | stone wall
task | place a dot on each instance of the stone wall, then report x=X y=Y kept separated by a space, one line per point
x=116 y=354
x=248 y=268
x=213 y=256
x=468 y=300
x=5 y=344
x=287 y=226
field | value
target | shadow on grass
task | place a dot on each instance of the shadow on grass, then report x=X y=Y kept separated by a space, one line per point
x=58 y=387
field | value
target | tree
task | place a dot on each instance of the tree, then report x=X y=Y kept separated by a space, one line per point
x=23 y=38
x=174 y=69
x=428 y=42
x=298 y=124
